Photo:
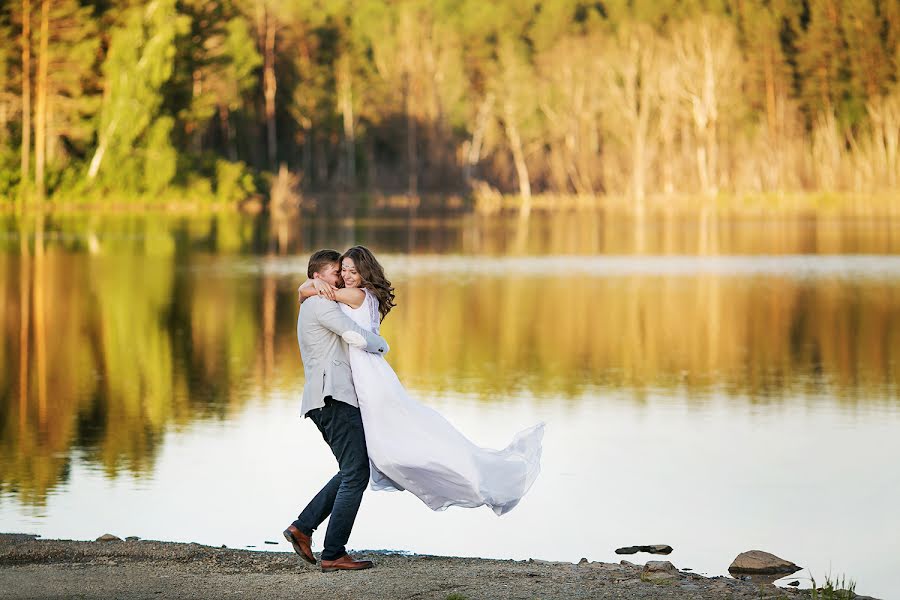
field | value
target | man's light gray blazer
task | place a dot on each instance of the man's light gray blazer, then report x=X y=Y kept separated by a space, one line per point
x=324 y=333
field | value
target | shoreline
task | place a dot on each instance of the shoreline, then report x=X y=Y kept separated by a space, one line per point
x=32 y=567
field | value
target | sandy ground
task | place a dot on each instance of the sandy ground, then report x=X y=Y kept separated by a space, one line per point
x=37 y=568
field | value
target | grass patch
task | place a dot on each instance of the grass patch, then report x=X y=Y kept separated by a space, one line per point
x=839 y=588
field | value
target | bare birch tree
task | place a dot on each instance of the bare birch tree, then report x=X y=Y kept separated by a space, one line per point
x=632 y=83
x=709 y=66
x=570 y=103
x=515 y=106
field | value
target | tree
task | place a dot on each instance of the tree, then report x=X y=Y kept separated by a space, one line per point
x=709 y=69
x=633 y=88
x=40 y=122
x=214 y=70
x=26 y=93
x=72 y=84
x=822 y=60
x=139 y=63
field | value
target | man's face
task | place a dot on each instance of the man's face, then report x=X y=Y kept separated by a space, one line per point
x=330 y=274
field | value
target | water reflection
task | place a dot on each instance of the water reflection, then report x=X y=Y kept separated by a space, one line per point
x=113 y=349
x=583 y=233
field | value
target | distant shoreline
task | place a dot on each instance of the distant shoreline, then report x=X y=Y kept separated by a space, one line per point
x=387 y=205
x=39 y=568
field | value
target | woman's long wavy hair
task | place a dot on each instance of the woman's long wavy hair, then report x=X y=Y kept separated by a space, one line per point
x=372 y=275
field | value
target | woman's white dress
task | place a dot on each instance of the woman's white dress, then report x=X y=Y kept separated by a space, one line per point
x=412 y=447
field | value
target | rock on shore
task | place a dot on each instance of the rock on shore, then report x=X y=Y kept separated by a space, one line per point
x=36 y=568
x=757 y=562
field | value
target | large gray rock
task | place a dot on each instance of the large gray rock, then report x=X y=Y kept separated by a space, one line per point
x=659 y=570
x=757 y=562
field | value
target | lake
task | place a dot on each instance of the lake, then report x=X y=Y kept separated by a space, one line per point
x=718 y=387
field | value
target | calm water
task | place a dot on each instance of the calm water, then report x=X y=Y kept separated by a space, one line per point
x=717 y=388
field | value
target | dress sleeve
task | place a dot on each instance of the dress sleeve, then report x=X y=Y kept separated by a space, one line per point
x=374 y=315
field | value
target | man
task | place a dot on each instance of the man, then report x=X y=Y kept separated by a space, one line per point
x=329 y=399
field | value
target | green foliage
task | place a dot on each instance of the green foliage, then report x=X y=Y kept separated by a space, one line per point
x=160 y=156
x=10 y=176
x=234 y=182
x=139 y=63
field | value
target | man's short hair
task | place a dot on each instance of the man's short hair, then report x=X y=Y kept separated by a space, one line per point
x=321 y=259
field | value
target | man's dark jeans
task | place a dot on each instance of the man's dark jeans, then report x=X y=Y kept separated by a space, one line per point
x=342 y=428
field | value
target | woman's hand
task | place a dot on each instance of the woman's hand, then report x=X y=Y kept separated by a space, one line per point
x=315 y=287
x=324 y=289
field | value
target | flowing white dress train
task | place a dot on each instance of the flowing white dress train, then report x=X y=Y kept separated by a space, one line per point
x=412 y=447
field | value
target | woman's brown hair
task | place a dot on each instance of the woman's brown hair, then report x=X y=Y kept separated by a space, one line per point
x=372 y=275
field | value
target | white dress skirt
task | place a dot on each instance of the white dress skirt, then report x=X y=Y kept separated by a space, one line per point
x=412 y=447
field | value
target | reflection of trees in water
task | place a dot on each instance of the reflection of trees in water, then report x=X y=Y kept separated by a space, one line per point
x=696 y=231
x=134 y=345
x=762 y=337
x=145 y=335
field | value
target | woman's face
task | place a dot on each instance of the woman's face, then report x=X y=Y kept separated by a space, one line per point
x=349 y=273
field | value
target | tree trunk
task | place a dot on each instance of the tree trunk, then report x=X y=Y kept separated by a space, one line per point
x=515 y=143
x=481 y=122
x=40 y=121
x=228 y=134
x=4 y=121
x=346 y=103
x=97 y=159
x=771 y=118
x=193 y=128
x=269 y=88
x=412 y=157
x=26 y=93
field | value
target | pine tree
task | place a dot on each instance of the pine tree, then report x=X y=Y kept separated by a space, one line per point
x=822 y=60
x=215 y=68
x=73 y=84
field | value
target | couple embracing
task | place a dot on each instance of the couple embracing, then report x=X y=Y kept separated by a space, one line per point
x=376 y=430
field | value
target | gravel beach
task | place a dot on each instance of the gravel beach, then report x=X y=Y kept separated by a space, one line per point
x=39 y=568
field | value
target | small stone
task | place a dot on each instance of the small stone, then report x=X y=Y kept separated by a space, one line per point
x=758 y=562
x=794 y=583
x=132 y=538
x=108 y=537
x=583 y=561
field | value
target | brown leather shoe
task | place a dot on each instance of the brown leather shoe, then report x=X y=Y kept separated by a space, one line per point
x=345 y=563
x=301 y=543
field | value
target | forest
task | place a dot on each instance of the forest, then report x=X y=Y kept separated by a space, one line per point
x=205 y=101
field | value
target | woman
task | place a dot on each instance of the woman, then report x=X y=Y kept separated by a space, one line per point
x=410 y=445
